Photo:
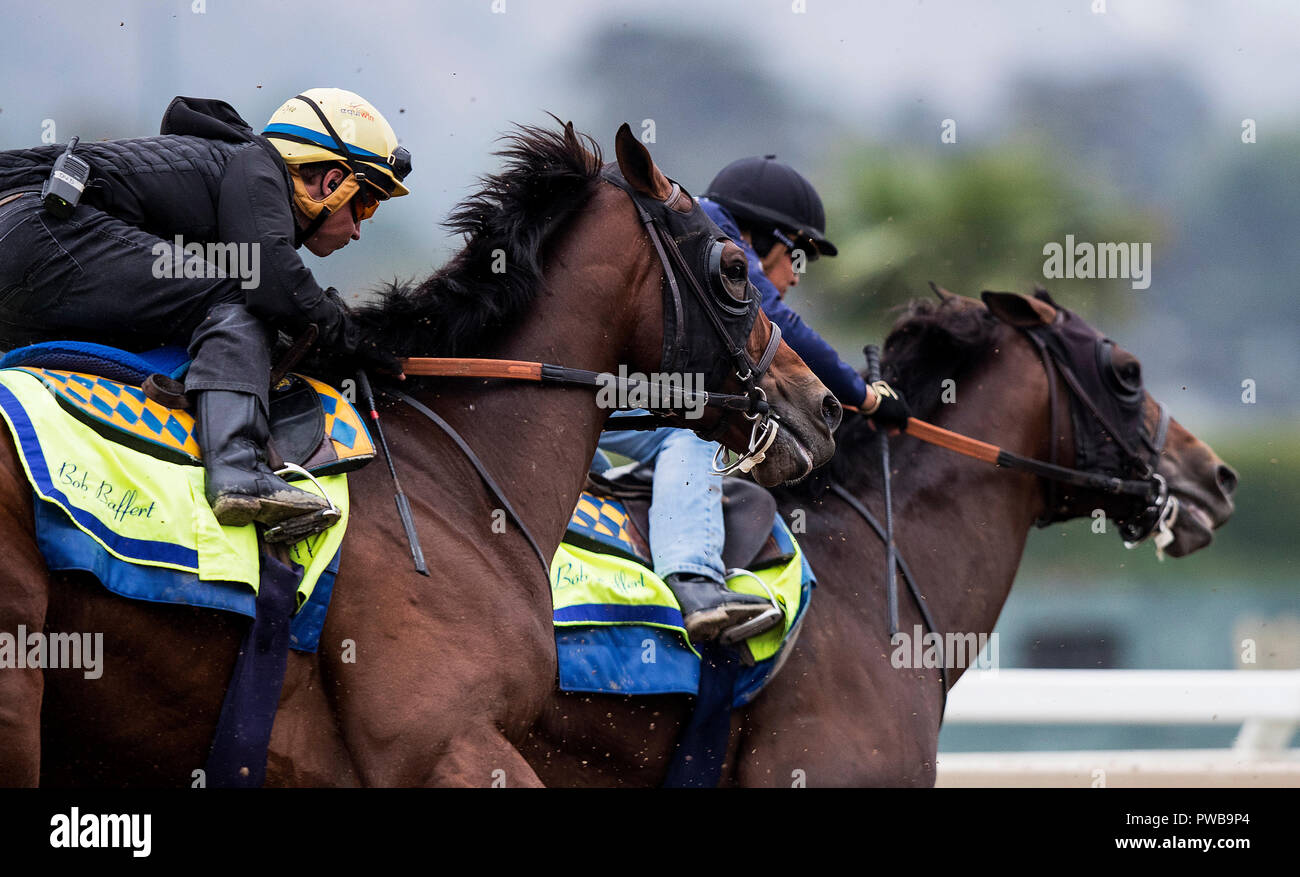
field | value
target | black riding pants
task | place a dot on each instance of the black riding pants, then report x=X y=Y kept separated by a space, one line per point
x=93 y=277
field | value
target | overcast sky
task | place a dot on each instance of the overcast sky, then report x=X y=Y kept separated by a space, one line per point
x=451 y=76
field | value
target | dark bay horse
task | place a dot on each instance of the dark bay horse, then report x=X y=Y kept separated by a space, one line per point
x=417 y=680
x=840 y=713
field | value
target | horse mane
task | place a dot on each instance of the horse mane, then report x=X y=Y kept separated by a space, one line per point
x=463 y=306
x=931 y=342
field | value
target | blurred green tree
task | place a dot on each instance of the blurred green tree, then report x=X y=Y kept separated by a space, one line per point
x=969 y=220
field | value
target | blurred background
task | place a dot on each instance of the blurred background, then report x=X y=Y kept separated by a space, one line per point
x=1122 y=125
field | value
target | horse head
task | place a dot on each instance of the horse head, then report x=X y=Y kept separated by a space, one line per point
x=714 y=329
x=1143 y=469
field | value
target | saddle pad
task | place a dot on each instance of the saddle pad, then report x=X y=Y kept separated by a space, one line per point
x=123 y=413
x=141 y=511
x=603 y=524
x=618 y=628
x=101 y=360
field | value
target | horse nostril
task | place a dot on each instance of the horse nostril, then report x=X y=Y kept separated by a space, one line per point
x=1227 y=480
x=832 y=411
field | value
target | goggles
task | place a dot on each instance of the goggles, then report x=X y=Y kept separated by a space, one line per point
x=800 y=241
x=364 y=203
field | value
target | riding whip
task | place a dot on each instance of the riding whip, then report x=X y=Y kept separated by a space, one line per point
x=403 y=506
x=891 y=581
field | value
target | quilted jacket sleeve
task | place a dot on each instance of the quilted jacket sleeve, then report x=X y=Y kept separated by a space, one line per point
x=254 y=208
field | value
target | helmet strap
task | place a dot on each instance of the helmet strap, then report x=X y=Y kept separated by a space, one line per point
x=319 y=211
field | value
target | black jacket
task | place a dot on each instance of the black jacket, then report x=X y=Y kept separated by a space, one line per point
x=211 y=179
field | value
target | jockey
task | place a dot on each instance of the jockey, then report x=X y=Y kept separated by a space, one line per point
x=122 y=268
x=776 y=217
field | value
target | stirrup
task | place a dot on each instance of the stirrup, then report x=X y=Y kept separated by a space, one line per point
x=769 y=618
x=300 y=527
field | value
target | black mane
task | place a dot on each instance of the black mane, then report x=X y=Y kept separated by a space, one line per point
x=463 y=307
x=931 y=342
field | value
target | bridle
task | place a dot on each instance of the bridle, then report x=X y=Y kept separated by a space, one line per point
x=1127 y=466
x=732 y=321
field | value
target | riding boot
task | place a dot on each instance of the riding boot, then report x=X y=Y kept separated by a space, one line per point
x=712 y=610
x=232 y=433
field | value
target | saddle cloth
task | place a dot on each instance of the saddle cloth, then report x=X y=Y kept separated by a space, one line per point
x=618 y=628
x=312 y=424
x=139 y=521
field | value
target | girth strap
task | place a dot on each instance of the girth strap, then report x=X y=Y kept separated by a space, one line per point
x=480 y=468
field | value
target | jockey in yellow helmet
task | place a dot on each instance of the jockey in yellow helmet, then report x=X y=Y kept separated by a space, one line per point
x=325 y=161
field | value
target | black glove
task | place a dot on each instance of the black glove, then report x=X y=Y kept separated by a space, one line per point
x=371 y=358
x=339 y=333
x=340 y=338
x=890 y=409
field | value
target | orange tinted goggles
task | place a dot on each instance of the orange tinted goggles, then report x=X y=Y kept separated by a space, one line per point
x=364 y=203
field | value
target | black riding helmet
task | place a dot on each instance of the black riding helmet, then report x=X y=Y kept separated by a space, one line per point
x=768 y=195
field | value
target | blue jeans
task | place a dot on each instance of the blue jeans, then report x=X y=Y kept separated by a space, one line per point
x=686 y=534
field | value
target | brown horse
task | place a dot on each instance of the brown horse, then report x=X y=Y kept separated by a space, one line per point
x=418 y=680
x=839 y=713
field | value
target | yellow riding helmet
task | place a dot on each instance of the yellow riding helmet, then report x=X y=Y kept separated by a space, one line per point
x=331 y=124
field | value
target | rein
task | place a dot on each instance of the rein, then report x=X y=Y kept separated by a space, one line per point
x=563 y=376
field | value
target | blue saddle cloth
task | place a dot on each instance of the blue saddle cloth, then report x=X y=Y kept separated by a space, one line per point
x=66 y=547
x=101 y=360
x=618 y=629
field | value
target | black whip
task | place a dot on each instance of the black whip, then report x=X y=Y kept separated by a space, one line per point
x=403 y=506
x=891 y=580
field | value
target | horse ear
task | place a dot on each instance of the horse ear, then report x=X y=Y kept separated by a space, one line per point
x=638 y=167
x=1018 y=310
x=1042 y=294
x=942 y=293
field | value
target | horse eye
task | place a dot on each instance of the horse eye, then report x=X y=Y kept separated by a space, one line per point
x=1128 y=376
x=730 y=278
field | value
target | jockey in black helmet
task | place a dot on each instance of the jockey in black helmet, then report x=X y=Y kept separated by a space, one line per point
x=776 y=217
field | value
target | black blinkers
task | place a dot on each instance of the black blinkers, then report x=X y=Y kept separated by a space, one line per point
x=694 y=328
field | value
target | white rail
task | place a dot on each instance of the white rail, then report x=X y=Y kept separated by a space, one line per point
x=1264 y=703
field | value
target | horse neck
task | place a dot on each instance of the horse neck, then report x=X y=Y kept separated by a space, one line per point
x=962 y=524
x=598 y=308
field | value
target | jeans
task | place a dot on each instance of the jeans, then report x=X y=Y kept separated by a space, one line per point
x=686 y=534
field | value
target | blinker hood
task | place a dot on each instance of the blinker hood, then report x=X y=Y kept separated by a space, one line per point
x=691 y=337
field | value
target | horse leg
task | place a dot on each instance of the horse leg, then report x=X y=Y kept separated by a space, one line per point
x=306 y=748
x=24 y=597
x=423 y=700
x=482 y=757
x=439 y=736
x=866 y=724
